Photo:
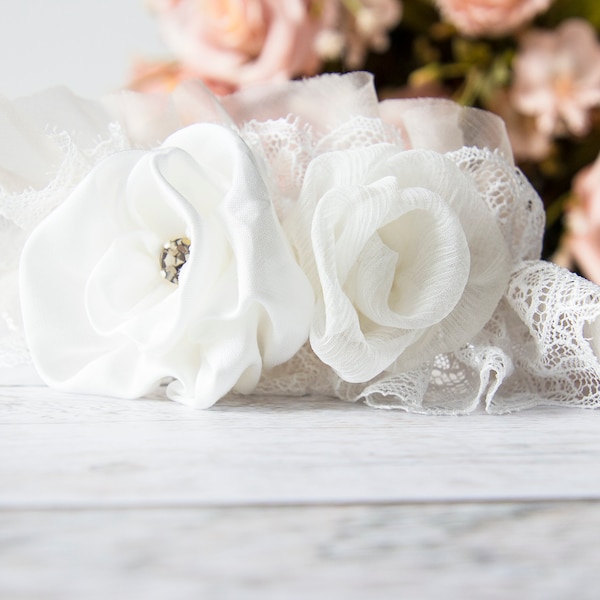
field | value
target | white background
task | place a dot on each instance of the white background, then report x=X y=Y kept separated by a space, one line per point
x=87 y=45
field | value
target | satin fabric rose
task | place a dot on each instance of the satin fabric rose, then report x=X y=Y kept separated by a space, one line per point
x=241 y=43
x=490 y=17
x=110 y=324
x=405 y=258
x=49 y=141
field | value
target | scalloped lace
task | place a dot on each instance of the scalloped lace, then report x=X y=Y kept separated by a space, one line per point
x=285 y=147
x=535 y=350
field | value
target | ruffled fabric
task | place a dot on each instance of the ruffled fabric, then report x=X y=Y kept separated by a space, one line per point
x=49 y=142
x=406 y=259
x=389 y=253
x=109 y=324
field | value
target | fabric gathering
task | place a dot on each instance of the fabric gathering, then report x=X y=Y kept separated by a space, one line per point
x=271 y=242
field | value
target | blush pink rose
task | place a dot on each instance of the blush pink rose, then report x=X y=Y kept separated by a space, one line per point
x=360 y=27
x=557 y=77
x=583 y=240
x=243 y=42
x=527 y=141
x=490 y=17
x=164 y=76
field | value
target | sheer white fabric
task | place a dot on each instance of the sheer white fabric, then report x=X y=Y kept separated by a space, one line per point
x=333 y=159
x=405 y=258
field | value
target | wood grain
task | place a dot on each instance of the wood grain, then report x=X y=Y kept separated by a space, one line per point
x=65 y=451
x=486 y=551
x=285 y=498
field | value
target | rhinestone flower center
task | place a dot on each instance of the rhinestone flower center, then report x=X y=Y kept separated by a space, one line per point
x=173 y=256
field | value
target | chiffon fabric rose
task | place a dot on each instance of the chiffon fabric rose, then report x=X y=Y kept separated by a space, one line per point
x=406 y=260
x=490 y=17
x=109 y=323
x=243 y=42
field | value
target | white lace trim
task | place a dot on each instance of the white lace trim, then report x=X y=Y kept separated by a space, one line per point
x=535 y=350
x=284 y=148
x=539 y=347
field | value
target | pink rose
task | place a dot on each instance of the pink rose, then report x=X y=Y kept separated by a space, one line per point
x=351 y=29
x=557 y=77
x=490 y=17
x=164 y=76
x=241 y=43
x=527 y=141
x=583 y=240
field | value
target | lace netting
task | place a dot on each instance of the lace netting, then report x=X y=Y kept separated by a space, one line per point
x=534 y=350
x=359 y=132
x=25 y=209
x=284 y=148
x=515 y=204
x=552 y=313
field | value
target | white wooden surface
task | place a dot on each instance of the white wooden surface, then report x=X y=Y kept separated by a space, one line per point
x=293 y=498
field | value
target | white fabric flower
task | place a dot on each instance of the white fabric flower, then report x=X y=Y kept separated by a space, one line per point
x=49 y=142
x=99 y=317
x=405 y=257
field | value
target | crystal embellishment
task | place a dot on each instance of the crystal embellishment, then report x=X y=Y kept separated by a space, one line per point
x=173 y=256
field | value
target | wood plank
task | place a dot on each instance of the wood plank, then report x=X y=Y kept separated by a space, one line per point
x=490 y=551
x=66 y=451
